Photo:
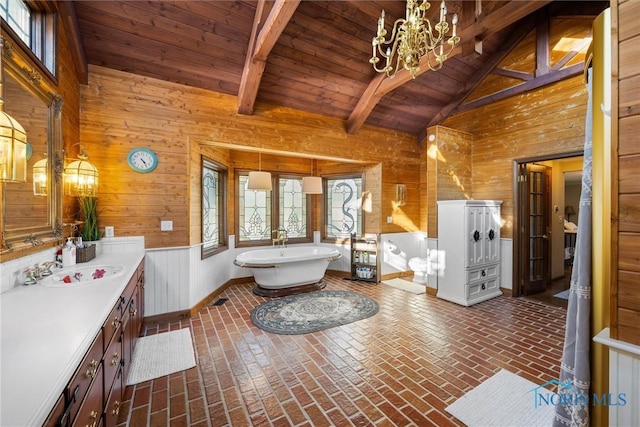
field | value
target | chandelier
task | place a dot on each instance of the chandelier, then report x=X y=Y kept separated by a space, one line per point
x=412 y=38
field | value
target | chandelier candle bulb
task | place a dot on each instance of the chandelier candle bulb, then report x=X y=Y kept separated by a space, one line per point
x=412 y=39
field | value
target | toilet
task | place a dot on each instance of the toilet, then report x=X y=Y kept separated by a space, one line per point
x=420 y=268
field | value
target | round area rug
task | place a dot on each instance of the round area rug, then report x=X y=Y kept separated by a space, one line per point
x=315 y=311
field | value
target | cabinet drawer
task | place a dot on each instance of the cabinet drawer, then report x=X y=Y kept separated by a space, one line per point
x=88 y=372
x=483 y=273
x=114 y=400
x=90 y=413
x=483 y=287
x=113 y=324
x=113 y=359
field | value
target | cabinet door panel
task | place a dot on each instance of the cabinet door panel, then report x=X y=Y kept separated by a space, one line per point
x=113 y=359
x=112 y=410
x=491 y=234
x=88 y=372
x=474 y=232
x=90 y=413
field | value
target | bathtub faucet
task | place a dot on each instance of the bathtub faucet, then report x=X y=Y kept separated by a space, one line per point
x=280 y=237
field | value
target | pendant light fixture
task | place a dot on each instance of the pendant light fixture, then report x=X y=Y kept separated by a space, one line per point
x=13 y=149
x=312 y=184
x=81 y=177
x=40 y=177
x=259 y=180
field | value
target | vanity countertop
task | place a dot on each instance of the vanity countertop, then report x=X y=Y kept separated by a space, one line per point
x=45 y=332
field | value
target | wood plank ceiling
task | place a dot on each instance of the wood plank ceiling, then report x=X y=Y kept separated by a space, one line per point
x=313 y=55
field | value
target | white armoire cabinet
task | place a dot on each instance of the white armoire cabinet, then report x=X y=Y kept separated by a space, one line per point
x=469 y=243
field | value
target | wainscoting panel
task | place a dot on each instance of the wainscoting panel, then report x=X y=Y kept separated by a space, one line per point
x=506 y=263
x=624 y=378
x=167 y=280
x=208 y=274
x=398 y=248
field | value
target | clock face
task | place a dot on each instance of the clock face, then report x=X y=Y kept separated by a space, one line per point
x=142 y=160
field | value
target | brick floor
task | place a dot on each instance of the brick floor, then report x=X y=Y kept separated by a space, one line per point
x=401 y=367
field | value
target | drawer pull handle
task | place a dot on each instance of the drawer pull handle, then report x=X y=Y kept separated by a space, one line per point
x=93 y=369
x=133 y=311
x=492 y=234
x=116 y=322
x=116 y=408
x=476 y=236
x=115 y=359
x=94 y=416
x=483 y=286
x=484 y=273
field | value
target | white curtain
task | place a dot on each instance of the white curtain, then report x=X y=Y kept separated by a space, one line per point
x=575 y=374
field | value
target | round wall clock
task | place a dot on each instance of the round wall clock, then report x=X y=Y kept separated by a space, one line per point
x=142 y=160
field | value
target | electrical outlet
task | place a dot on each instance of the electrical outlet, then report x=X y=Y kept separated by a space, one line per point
x=108 y=231
x=389 y=220
x=166 y=225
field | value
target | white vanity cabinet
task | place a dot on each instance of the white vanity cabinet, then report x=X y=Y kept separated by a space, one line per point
x=469 y=241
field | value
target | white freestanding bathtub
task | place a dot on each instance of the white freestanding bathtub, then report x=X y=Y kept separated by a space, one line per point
x=276 y=268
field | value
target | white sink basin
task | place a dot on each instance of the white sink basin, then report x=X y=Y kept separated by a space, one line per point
x=81 y=275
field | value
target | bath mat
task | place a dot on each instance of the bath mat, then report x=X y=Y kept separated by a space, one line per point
x=161 y=354
x=505 y=399
x=564 y=294
x=314 y=311
x=405 y=285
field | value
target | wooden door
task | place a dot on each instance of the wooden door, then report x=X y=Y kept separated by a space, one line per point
x=533 y=212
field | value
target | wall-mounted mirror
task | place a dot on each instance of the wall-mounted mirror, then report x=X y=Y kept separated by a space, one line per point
x=31 y=216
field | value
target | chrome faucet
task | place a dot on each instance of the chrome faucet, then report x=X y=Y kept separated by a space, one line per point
x=37 y=272
x=280 y=237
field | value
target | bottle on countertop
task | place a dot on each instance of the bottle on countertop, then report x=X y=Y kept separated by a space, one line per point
x=69 y=254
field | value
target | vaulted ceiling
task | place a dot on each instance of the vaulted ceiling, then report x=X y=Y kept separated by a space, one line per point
x=314 y=55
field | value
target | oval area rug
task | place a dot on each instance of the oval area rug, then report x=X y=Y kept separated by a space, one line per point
x=314 y=311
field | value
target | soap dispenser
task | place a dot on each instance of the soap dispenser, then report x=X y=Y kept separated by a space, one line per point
x=69 y=253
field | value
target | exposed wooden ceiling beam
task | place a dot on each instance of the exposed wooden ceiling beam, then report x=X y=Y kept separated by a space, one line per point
x=543 y=80
x=260 y=45
x=512 y=41
x=471 y=11
x=503 y=17
x=70 y=22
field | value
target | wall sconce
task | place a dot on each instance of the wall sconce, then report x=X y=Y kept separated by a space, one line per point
x=13 y=149
x=312 y=184
x=259 y=180
x=401 y=194
x=81 y=177
x=40 y=177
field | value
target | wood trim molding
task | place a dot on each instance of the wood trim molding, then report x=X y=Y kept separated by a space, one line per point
x=189 y=313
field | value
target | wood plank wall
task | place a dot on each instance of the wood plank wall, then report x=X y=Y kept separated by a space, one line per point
x=625 y=310
x=546 y=121
x=121 y=111
x=449 y=169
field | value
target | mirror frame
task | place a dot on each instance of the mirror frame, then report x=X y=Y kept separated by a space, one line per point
x=18 y=242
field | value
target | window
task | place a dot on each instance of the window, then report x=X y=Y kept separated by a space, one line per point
x=34 y=27
x=343 y=215
x=18 y=16
x=214 y=218
x=255 y=218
